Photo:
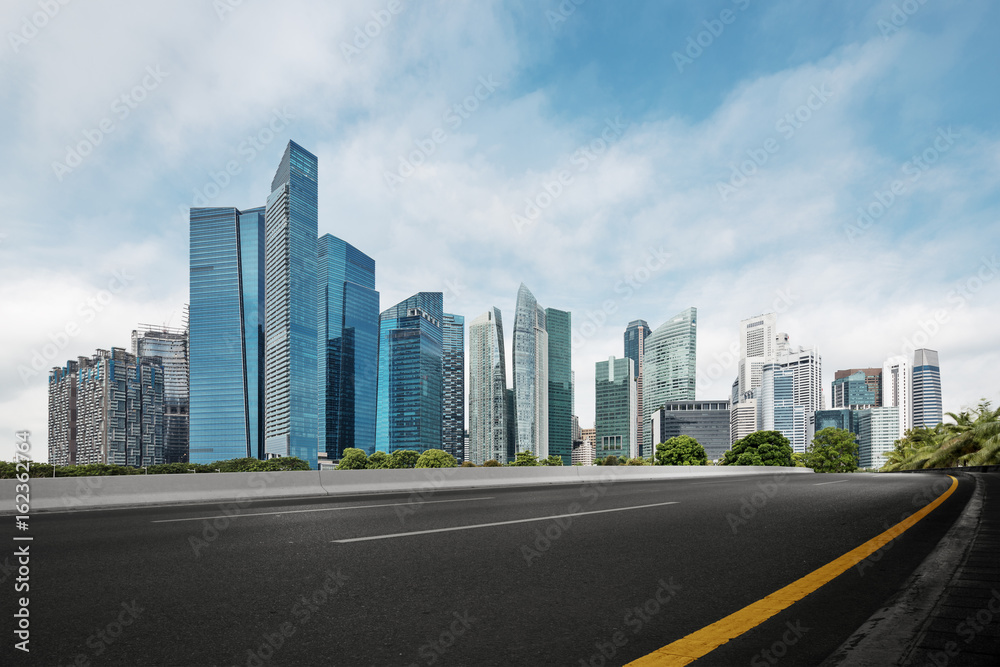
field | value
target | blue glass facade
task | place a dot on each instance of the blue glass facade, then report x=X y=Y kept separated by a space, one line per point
x=559 y=324
x=291 y=317
x=843 y=418
x=453 y=388
x=226 y=333
x=410 y=378
x=857 y=387
x=348 y=347
x=927 y=406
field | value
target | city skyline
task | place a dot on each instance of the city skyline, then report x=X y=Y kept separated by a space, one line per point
x=914 y=272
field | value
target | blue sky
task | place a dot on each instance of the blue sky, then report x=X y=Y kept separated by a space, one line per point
x=594 y=155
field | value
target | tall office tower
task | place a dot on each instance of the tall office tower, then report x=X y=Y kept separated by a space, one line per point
x=758 y=346
x=857 y=388
x=511 y=404
x=635 y=344
x=226 y=334
x=347 y=358
x=806 y=366
x=669 y=368
x=743 y=417
x=705 y=421
x=107 y=409
x=410 y=375
x=453 y=378
x=927 y=409
x=878 y=430
x=842 y=418
x=531 y=375
x=897 y=391
x=62 y=429
x=171 y=346
x=559 y=325
x=777 y=409
x=615 y=408
x=291 y=319
x=488 y=426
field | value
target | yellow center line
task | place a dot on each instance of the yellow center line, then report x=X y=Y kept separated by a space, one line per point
x=704 y=641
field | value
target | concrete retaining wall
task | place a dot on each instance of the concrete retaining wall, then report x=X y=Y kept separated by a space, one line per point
x=69 y=493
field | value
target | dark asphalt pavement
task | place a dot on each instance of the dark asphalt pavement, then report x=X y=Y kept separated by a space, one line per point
x=271 y=585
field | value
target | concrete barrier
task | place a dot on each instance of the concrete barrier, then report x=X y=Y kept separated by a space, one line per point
x=69 y=493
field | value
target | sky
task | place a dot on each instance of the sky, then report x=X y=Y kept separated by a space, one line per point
x=836 y=163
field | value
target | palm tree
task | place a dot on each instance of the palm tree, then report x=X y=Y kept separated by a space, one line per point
x=974 y=439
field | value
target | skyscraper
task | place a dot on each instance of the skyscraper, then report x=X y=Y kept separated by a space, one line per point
x=669 y=367
x=758 y=346
x=410 y=378
x=857 y=387
x=291 y=318
x=171 y=346
x=488 y=427
x=226 y=337
x=878 y=430
x=897 y=391
x=705 y=421
x=531 y=375
x=777 y=409
x=558 y=324
x=635 y=344
x=927 y=408
x=615 y=409
x=348 y=348
x=453 y=385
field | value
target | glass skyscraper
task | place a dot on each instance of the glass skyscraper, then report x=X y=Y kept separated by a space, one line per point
x=226 y=335
x=488 y=425
x=635 y=345
x=615 y=409
x=857 y=387
x=453 y=389
x=559 y=326
x=669 y=367
x=348 y=348
x=291 y=318
x=410 y=377
x=531 y=375
x=927 y=408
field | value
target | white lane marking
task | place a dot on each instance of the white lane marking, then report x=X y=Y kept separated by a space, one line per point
x=837 y=482
x=319 y=509
x=497 y=523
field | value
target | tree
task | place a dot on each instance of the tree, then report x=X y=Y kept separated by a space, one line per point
x=467 y=464
x=681 y=450
x=552 y=460
x=762 y=448
x=832 y=450
x=353 y=459
x=636 y=461
x=436 y=458
x=404 y=458
x=610 y=460
x=492 y=463
x=525 y=458
x=379 y=461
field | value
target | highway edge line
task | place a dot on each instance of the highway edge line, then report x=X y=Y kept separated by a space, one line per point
x=702 y=642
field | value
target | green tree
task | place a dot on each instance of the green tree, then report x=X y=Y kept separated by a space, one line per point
x=636 y=461
x=436 y=458
x=467 y=464
x=353 y=459
x=492 y=463
x=379 y=461
x=761 y=448
x=552 y=460
x=404 y=458
x=610 y=460
x=525 y=458
x=681 y=450
x=832 y=450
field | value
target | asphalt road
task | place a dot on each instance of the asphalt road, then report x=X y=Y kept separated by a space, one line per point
x=636 y=566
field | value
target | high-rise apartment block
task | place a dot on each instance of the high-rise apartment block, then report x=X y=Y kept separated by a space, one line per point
x=488 y=420
x=170 y=345
x=453 y=385
x=897 y=391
